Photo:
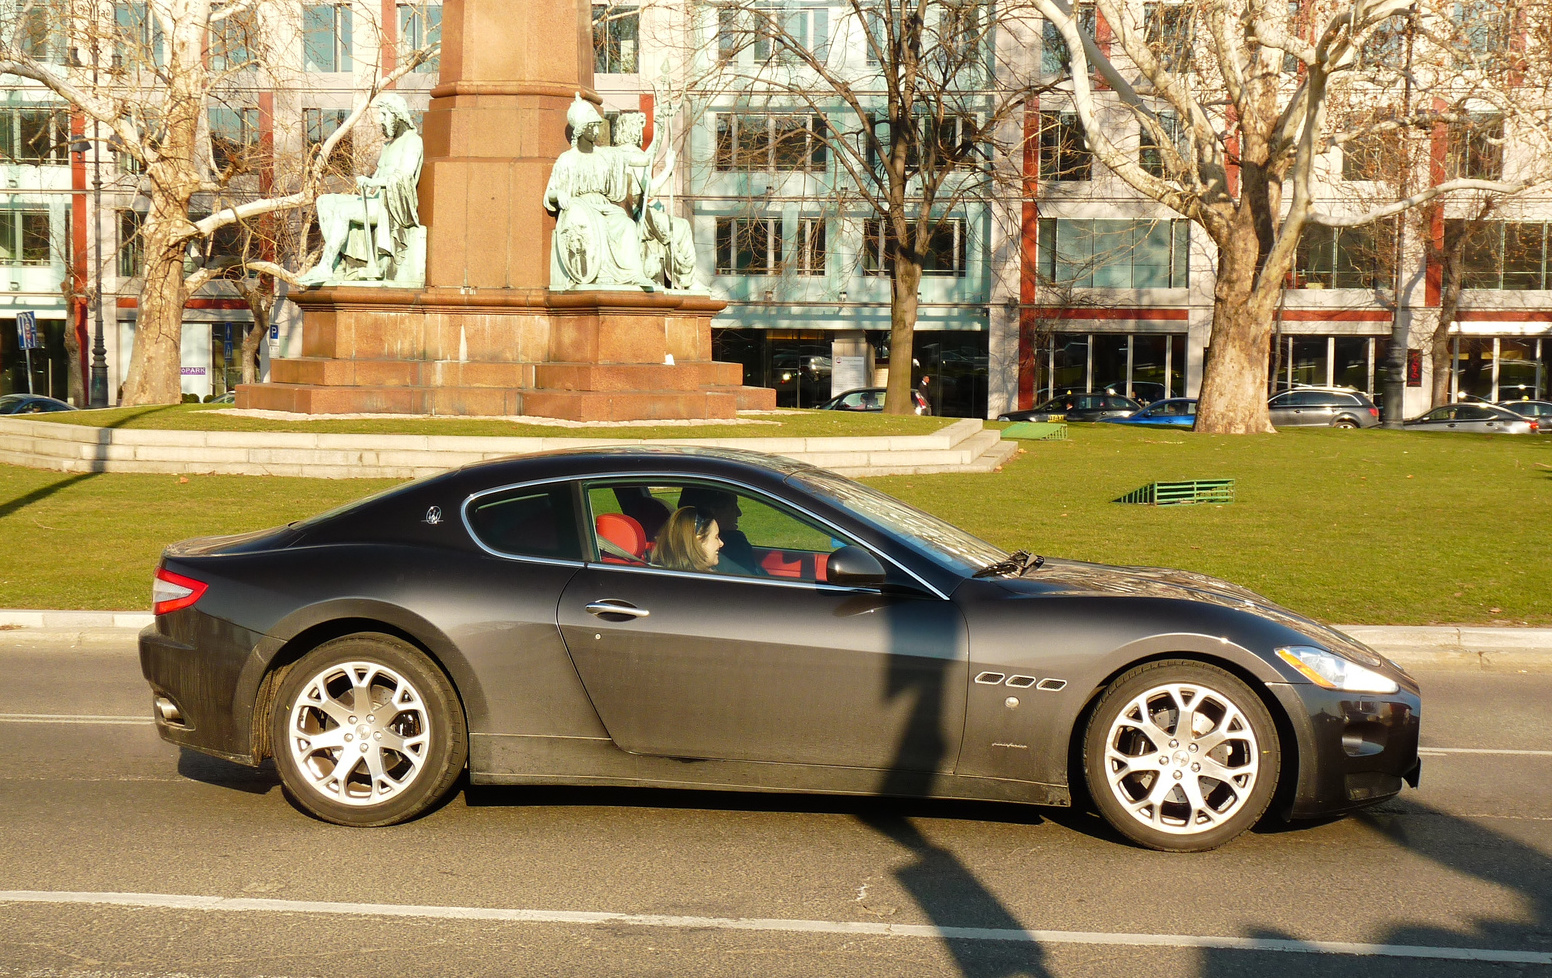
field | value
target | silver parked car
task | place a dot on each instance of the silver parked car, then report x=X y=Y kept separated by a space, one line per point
x=1334 y=407
x=1538 y=411
x=1480 y=418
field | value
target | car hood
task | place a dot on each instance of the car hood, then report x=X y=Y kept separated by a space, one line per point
x=1056 y=577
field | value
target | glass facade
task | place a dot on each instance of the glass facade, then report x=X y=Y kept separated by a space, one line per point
x=1145 y=366
x=1501 y=368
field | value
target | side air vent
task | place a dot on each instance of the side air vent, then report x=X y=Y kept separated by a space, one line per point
x=990 y=678
x=1051 y=685
x=1021 y=682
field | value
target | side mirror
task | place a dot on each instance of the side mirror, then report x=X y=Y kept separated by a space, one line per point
x=854 y=567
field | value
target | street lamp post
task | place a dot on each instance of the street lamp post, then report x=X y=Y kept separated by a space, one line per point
x=98 y=396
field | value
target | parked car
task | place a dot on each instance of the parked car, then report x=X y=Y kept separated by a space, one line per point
x=870 y=399
x=1175 y=412
x=1143 y=391
x=1538 y=411
x=1481 y=418
x=1077 y=407
x=1333 y=407
x=515 y=617
x=32 y=404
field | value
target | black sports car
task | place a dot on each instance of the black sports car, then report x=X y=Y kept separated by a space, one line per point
x=724 y=619
x=1077 y=407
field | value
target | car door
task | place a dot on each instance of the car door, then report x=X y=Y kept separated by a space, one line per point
x=773 y=664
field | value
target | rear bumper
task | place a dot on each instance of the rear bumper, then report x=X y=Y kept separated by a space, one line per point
x=1355 y=749
x=203 y=678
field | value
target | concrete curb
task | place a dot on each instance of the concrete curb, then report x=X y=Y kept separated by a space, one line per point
x=1466 y=647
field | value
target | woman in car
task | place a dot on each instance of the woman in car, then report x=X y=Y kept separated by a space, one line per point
x=737 y=555
x=689 y=541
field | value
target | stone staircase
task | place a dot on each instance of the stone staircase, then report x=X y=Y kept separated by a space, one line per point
x=963 y=446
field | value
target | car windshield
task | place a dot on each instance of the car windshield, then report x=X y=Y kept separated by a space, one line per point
x=922 y=532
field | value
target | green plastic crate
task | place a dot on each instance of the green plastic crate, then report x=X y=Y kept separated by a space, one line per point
x=1182 y=493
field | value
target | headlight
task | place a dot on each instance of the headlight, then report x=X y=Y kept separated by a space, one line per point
x=1324 y=668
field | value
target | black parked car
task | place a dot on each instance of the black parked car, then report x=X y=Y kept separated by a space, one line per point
x=32 y=404
x=533 y=619
x=1077 y=407
x=1325 y=407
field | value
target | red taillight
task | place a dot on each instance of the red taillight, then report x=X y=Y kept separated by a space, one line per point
x=1374 y=413
x=1535 y=426
x=173 y=592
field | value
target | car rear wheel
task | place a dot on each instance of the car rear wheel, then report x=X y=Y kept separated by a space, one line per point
x=367 y=731
x=1344 y=423
x=1181 y=756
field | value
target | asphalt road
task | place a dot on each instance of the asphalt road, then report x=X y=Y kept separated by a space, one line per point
x=121 y=857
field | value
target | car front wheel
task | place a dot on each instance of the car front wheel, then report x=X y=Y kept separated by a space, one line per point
x=1181 y=756
x=367 y=731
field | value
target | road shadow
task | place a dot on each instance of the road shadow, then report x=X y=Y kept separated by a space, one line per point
x=43 y=492
x=225 y=774
x=1463 y=847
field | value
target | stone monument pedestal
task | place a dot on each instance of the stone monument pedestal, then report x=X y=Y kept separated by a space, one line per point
x=581 y=356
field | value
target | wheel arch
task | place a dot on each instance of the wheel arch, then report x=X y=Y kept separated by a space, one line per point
x=311 y=630
x=1287 y=733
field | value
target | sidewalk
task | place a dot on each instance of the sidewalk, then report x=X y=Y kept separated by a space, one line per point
x=1413 y=646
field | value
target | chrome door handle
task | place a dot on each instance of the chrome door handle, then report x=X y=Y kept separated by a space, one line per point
x=610 y=606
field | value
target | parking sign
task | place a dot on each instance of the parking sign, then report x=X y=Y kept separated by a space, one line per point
x=27 y=330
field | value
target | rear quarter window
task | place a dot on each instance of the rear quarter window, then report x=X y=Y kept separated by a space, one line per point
x=526 y=522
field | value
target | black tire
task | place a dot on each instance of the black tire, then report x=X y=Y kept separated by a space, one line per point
x=409 y=757
x=1231 y=733
x=1344 y=423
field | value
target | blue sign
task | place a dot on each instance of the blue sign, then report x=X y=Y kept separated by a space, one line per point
x=27 y=330
x=228 y=350
x=274 y=332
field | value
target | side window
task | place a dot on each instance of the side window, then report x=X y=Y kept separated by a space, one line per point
x=527 y=522
x=706 y=528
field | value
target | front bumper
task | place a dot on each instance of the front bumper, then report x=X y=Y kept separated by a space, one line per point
x=1355 y=749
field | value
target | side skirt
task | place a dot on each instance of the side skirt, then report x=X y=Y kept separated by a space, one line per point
x=500 y=759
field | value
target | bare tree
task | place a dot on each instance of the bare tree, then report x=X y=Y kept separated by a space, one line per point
x=1251 y=83
x=915 y=130
x=148 y=75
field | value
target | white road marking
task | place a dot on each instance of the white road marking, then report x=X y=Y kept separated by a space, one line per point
x=171 y=901
x=1446 y=751
x=71 y=718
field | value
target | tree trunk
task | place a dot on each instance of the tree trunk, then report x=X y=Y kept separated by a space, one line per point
x=155 y=375
x=77 y=390
x=1233 y=395
x=902 y=335
x=1443 y=362
x=260 y=304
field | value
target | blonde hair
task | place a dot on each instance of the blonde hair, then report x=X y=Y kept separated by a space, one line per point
x=678 y=545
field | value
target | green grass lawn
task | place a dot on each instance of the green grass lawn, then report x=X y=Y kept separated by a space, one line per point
x=1361 y=527
x=213 y=417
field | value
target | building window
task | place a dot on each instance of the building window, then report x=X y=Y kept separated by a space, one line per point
x=138 y=41
x=1482 y=31
x=1474 y=149
x=778 y=31
x=748 y=246
x=38 y=34
x=1371 y=154
x=1055 y=59
x=326 y=37
x=231 y=41
x=810 y=256
x=1114 y=254
x=234 y=137
x=760 y=141
x=25 y=237
x=1502 y=255
x=35 y=135
x=420 y=26
x=319 y=125
x=956 y=145
x=131 y=253
x=1149 y=154
x=615 y=31
x=1346 y=258
x=1064 y=153
x=1168 y=31
x=943 y=254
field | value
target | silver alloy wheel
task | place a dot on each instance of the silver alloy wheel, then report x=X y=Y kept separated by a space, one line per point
x=1182 y=758
x=359 y=733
